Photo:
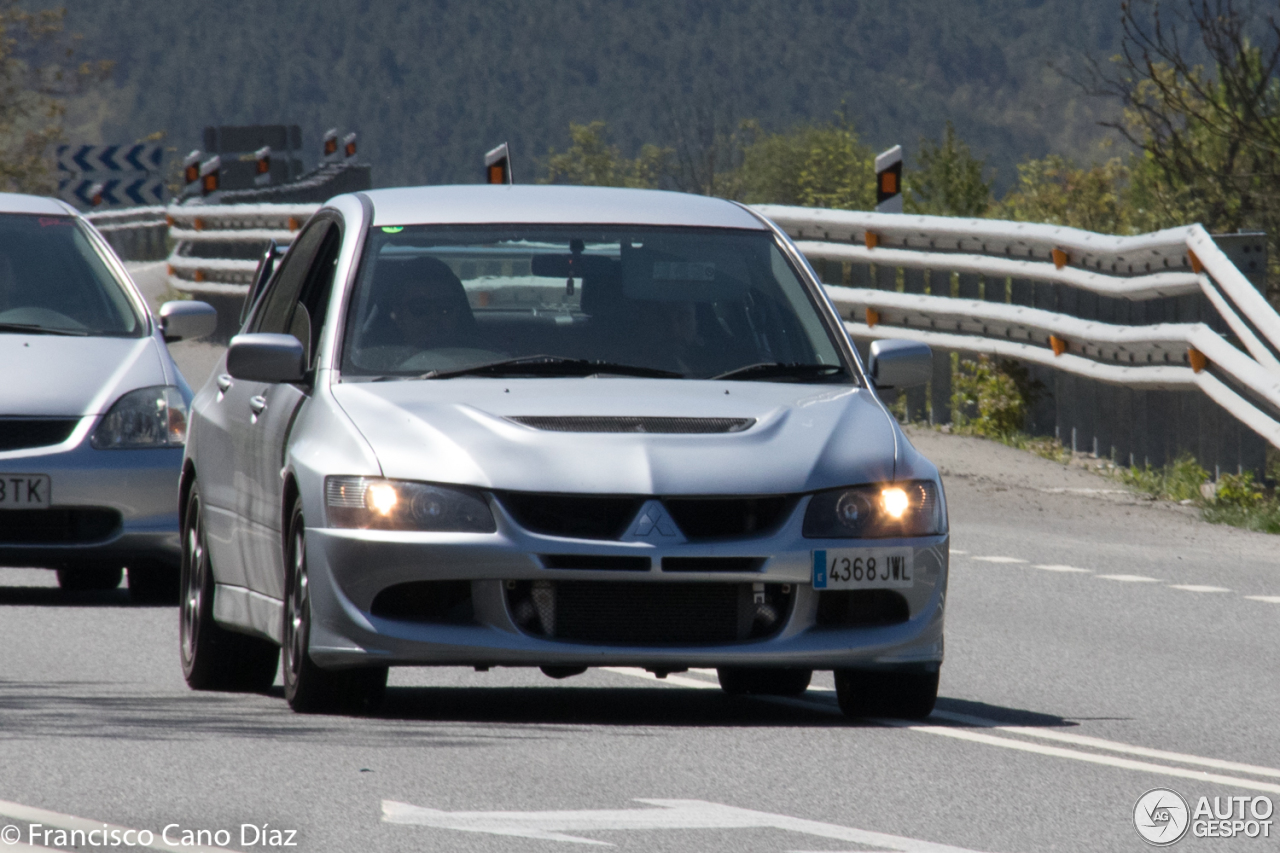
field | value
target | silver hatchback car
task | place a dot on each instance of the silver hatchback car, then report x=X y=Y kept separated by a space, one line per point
x=93 y=412
x=559 y=427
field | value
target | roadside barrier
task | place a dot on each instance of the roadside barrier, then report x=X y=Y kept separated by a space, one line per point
x=1146 y=346
x=136 y=233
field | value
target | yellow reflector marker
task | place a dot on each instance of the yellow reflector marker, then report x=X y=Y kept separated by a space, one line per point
x=381 y=497
x=895 y=501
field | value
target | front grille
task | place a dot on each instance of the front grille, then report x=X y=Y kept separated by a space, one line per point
x=861 y=608
x=441 y=602
x=712 y=564
x=57 y=526
x=649 y=614
x=21 y=433
x=574 y=516
x=721 y=518
x=668 y=426
x=611 y=562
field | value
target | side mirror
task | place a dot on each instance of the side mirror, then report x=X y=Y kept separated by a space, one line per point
x=182 y=321
x=266 y=357
x=900 y=364
x=266 y=266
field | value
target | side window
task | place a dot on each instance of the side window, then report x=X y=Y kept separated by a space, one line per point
x=276 y=313
x=309 y=314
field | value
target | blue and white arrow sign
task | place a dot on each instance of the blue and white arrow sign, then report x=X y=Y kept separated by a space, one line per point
x=114 y=191
x=140 y=157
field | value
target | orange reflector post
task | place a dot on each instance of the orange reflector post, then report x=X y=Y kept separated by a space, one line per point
x=1059 y=259
x=197 y=224
x=889 y=183
x=1058 y=345
x=497 y=174
x=1198 y=359
x=872 y=239
x=1196 y=266
x=292 y=224
x=873 y=316
x=168 y=268
x=199 y=275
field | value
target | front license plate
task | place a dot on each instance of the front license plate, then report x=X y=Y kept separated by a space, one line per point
x=24 y=491
x=863 y=568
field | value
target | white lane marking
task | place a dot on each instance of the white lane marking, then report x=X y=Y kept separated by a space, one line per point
x=1111 y=745
x=1000 y=560
x=958 y=551
x=31 y=814
x=1068 y=491
x=1192 y=587
x=1088 y=757
x=676 y=680
x=1129 y=578
x=1057 y=568
x=669 y=814
x=1267 y=599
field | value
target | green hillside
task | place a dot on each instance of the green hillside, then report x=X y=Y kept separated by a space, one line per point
x=431 y=85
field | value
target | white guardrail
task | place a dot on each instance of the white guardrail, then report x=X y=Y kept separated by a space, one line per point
x=216 y=250
x=1178 y=261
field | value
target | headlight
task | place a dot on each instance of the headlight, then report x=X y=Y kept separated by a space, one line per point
x=148 y=417
x=875 y=512
x=377 y=504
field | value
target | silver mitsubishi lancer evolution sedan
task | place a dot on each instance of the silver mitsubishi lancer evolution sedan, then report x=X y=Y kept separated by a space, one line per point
x=556 y=427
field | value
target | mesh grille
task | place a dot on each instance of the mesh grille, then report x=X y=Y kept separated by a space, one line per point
x=682 y=426
x=57 y=526
x=719 y=518
x=21 y=433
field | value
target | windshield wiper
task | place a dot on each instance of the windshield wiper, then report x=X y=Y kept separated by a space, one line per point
x=782 y=370
x=33 y=329
x=552 y=365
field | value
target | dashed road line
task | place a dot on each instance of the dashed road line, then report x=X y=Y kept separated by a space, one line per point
x=1057 y=568
x=1192 y=587
x=1129 y=578
x=1001 y=560
x=1266 y=599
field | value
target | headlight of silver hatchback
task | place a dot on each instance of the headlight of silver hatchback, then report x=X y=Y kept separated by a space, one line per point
x=145 y=418
x=372 y=503
x=885 y=511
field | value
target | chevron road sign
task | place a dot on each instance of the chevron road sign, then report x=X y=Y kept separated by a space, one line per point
x=142 y=157
x=135 y=190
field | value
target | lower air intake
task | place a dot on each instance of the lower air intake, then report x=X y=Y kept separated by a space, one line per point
x=57 y=526
x=649 y=614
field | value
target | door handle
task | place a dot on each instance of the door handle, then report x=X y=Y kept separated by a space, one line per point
x=224 y=382
x=258 y=404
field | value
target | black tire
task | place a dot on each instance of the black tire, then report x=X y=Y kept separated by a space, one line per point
x=155 y=582
x=214 y=658
x=308 y=688
x=905 y=695
x=90 y=577
x=760 y=681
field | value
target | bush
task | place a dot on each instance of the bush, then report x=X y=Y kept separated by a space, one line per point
x=1177 y=481
x=986 y=398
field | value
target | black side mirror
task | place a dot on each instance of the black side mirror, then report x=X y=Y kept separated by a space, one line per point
x=266 y=266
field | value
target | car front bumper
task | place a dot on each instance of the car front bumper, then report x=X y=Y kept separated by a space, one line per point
x=348 y=568
x=137 y=490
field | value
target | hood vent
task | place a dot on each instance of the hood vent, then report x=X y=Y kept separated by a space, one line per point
x=667 y=426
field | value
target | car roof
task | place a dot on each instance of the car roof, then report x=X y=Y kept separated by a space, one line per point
x=20 y=203
x=474 y=204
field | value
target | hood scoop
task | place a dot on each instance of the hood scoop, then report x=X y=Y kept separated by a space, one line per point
x=667 y=426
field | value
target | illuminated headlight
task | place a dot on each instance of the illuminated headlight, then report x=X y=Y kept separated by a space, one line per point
x=377 y=504
x=148 y=417
x=875 y=512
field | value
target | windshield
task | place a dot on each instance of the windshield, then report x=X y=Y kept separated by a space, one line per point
x=694 y=303
x=52 y=280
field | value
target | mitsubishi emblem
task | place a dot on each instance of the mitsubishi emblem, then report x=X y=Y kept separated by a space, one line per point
x=654 y=524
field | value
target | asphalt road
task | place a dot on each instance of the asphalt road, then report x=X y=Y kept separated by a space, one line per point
x=1098 y=646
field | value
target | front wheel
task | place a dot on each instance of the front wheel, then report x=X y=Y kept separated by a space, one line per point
x=308 y=688
x=214 y=658
x=906 y=695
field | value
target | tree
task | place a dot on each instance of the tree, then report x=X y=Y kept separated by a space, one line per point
x=1208 y=133
x=591 y=161
x=36 y=75
x=948 y=181
x=1056 y=191
x=810 y=165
